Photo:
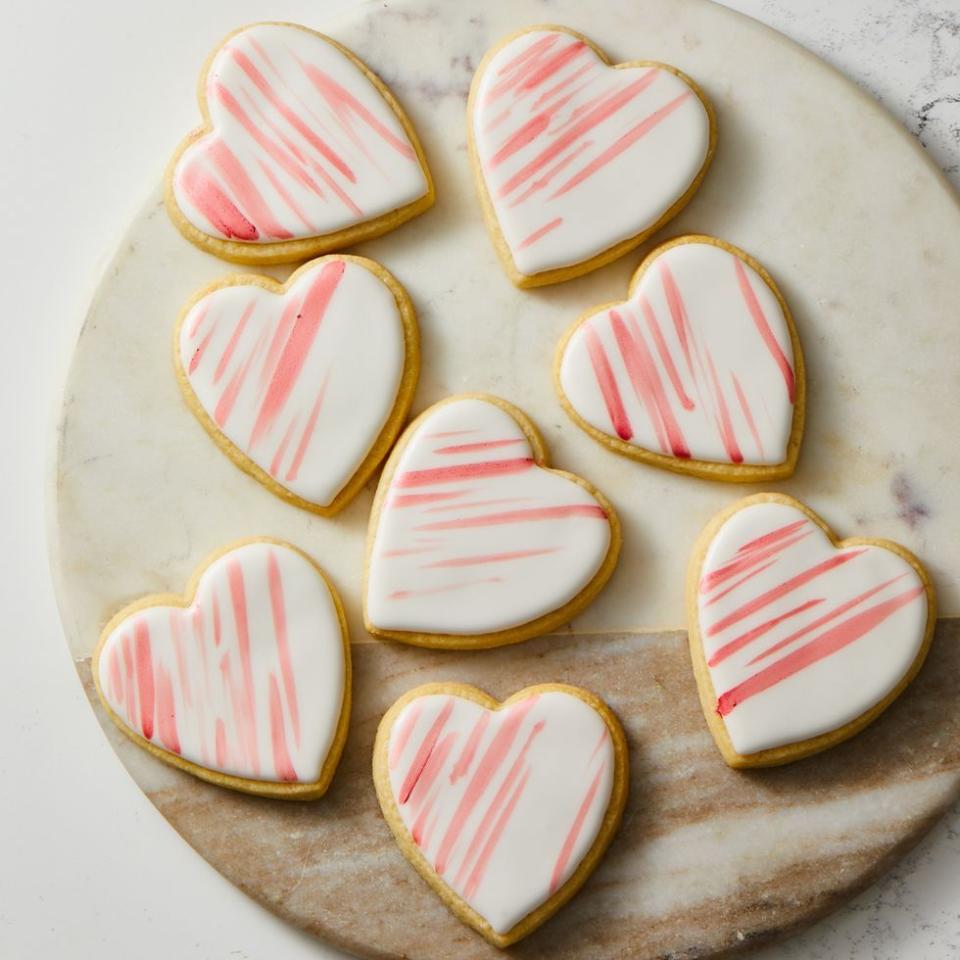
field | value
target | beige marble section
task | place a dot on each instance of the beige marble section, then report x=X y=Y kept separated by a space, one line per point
x=707 y=858
x=863 y=236
x=857 y=226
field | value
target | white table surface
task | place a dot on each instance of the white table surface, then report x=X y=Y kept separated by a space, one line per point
x=94 y=95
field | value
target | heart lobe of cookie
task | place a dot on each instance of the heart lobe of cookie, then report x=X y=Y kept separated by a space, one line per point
x=799 y=637
x=473 y=537
x=302 y=143
x=503 y=805
x=697 y=365
x=247 y=680
x=300 y=383
x=578 y=156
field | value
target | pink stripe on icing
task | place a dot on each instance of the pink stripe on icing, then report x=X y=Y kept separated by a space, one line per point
x=307 y=434
x=826 y=618
x=268 y=707
x=482 y=445
x=608 y=385
x=538 y=768
x=143 y=661
x=710 y=581
x=166 y=711
x=476 y=877
x=403 y=732
x=494 y=756
x=646 y=382
x=431 y=770
x=529 y=525
x=423 y=753
x=479 y=842
x=223 y=215
x=702 y=369
x=563 y=860
x=781 y=590
x=462 y=767
x=282 y=764
x=489 y=558
x=774 y=535
x=540 y=232
x=446 y=588
x=620 y=145
x=238 y=598
x=531 y=514
x=464 y=471
x=417 y=499
x=244 y=189
x=584 y=125
x=759 y=318
x=738 y=643
x=715 y=598
x=279 y=611
x=800 y=621
x=846 y=632
x=294 y=353
x=289 y=112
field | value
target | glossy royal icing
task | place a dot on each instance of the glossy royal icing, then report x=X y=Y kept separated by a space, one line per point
x=801 y=638
x=697 y=364
x=302 y=382
x=301 y=143
x=473 y=537
x=247 y=680
x=504 y=804
x=577 y=155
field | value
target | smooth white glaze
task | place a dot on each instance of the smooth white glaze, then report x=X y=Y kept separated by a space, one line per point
x=473 y=537
x=832 y=632
x=503 y=804
x=697 y=363
x=302 y=383
x=247 y=680
x=301 y=144
x=578 y=155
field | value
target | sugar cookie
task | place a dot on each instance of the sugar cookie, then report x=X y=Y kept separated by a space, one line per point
x=799 y=640
x=474 y=541
x=244 y=681
x=305 y=384
x=578 y=160
x=303 y=150
x=504 y=808
x=698 y=371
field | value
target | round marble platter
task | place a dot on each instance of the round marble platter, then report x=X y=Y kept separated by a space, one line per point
x=863 y=236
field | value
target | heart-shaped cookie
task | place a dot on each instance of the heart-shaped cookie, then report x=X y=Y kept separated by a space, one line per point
x=303 y=150
x=244 y=682
x=474 y=541
x=578 y=161
x=305 y=384
x=799 y=640
x=699 y=371
x=504 y=809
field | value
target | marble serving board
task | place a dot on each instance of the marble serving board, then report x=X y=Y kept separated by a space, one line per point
x=862 y=235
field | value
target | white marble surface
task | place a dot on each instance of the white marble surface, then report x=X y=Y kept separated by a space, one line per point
x=108 y=828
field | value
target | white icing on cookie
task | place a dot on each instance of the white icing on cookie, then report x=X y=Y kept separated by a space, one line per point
x=503 y=804
x=248 y=680
x=302 y=143
x=473 y=537
x=578 y=155
x=302 y=383
x=697 y=364
x=801 y=638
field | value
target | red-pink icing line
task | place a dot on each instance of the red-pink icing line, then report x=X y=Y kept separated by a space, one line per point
x=302 y=143
x=516 y=793
x=269 y=705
